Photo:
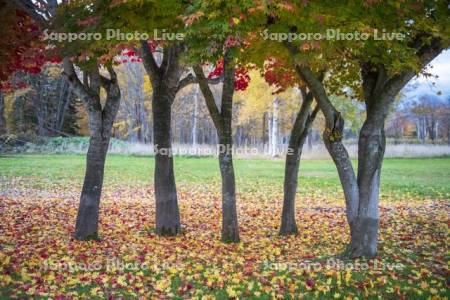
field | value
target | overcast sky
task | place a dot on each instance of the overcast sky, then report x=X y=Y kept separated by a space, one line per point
x=441 y=68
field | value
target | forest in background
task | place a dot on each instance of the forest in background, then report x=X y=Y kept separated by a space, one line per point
x=43 y=106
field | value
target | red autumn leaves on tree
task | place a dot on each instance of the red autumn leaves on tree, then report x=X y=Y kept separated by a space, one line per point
x=241 y=77
x=276 y=74
x=22 y=48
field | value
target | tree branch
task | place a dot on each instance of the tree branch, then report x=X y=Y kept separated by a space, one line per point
x=112 y=102
x=191 y=79
x=209 y=98
x=71 y=76
x=149 y=61
x=31 y=9
x=84 y=92
x=228 y=85
x=316 y=87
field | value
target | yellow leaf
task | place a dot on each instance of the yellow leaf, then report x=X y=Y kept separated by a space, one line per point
x=231 y=292
x=121 y=281
x=94 y=291
x=348 y=276
x=433 y=291
x=423 y=285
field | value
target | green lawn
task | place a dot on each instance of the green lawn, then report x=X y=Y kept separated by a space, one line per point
x=421 y=177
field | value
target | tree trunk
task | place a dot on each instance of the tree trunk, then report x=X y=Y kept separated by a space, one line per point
x=167 y=212
x=88 y=210
x=101 y=120
x=264 y=130
x=2 y=114
x=230 y=228
x=333 y=142
x=362 y=194
x=165 y=80
x=222 y=121
x=298 y=136
x=364 y=228
x=288 y=225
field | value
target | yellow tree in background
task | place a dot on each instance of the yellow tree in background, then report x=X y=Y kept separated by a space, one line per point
x=265 y=114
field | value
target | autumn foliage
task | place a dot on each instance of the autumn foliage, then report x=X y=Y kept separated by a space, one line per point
x=241 y=76
x=22 y=48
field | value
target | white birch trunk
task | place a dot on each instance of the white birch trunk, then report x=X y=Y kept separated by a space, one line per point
x=274 y=134
x=194 y=126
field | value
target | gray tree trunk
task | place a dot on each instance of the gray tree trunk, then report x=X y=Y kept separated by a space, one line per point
x=230 y=228
x=88 y=211
x=362 y=194
x=299 y=133
x=222 y=120
x=101 y=120
x=167 y=211
x=165 y=80
x=364 y=228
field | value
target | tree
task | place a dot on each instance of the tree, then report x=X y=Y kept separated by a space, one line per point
x=280 y=76
x=90 y=56
x=165 y=81
x=133 y=121
x=384 y=69
x=302 y=125
x=213 y=37
x=22 y=49
x=370 y=69
x=101 y=120
x=48 y=100
x=165 y=77
x=222 y=121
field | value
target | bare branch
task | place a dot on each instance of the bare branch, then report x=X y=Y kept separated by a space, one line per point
x=209 y=97
x=191 y=79
x=72 y=78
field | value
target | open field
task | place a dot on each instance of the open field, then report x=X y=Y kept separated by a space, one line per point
x=39 y=197
x=424 y=177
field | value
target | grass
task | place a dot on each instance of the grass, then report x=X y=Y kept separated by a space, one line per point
x=421 y=177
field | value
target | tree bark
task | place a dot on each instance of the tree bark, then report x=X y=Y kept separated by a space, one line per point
x=88 y=211
x=364 y=228
x=167 y=211
x=332 y=137
x=230 y=228
x=299 y=133
x=264 y=129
